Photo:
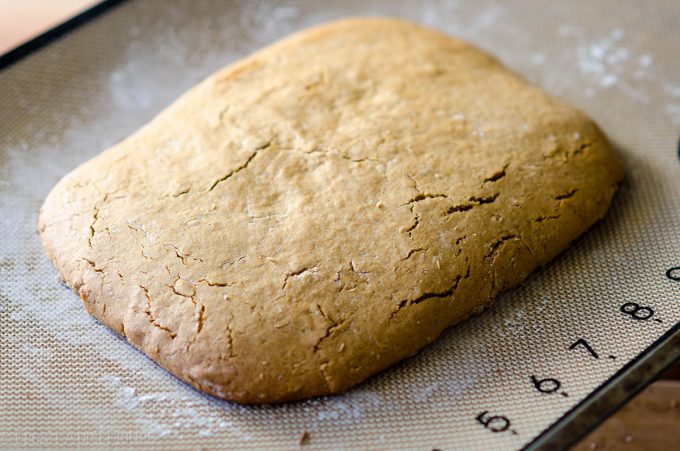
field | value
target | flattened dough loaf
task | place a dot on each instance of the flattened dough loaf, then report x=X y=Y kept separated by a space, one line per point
x=317 y=211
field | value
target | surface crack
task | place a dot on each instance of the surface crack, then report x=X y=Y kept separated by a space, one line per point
x=566 y=195
x=201 y=317
x=433 y=295
x=581 y=148
x=422 y=196
x=296 y=273
x=497 y=175
x=230 y=340
x=494 y=247
x=94 y=267
x=182 y=257
x=150 y=316
x=182 y=193
x=413 y=226
x=334 y=325
x=240 y=168
x=354 y=270
x=95 y=216
x=215 y=284
x=413 y=251
x=472 y=202
x=357 y=160
x=546 y=218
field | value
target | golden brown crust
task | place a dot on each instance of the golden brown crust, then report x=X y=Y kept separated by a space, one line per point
x=312 y=214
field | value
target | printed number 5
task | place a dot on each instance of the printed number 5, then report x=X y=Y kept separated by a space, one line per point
x=494 y=423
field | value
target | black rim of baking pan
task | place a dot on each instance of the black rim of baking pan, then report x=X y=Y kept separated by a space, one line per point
x=612 y=394
x=570 y=427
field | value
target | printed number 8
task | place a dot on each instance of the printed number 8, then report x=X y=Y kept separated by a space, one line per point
x=636 y=311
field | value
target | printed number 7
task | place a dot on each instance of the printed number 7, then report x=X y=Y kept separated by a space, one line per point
x=582 y=342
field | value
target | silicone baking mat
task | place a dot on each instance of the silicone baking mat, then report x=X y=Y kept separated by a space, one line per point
x=547 y=359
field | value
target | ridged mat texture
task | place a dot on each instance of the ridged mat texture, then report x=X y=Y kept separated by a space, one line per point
x=66 y=380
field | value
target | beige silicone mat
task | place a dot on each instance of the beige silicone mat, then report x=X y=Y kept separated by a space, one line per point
x=66 y=381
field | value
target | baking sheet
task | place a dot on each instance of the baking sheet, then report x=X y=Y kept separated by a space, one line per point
x=65 y=380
